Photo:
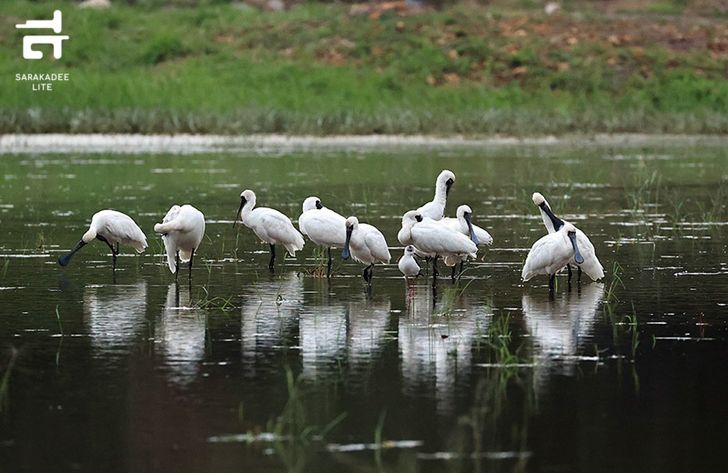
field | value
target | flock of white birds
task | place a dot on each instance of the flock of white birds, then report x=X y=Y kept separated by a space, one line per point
x=425 y=233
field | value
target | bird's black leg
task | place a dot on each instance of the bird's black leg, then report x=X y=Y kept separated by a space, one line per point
x=176 y=264
x=578 y=274
x=452 y=276
x=568 y=266
x=434 y=271
x=192 y=256
x=114 y=253
x=272 y=256
x=552 y=281
x=328 y=264
x=460 y=272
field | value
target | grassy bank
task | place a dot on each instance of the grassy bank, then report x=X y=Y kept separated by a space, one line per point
x=326 y=69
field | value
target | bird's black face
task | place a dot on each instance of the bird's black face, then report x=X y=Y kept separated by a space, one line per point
x=346 y=252
x=468 y=219
x=577 y=256
x=418 y=217
x=319 y=205
x=555 y=221
x=448 y=185
x=243 y=201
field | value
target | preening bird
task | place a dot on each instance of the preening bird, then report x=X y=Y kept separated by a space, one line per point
x=322 y=226
x=270 y=225
x=436 y=208
x=366 y=244
x=551 y=253
x=408 y=265
x=591 y=265
x=112 y=228
x=434 y=239
x=182 y=230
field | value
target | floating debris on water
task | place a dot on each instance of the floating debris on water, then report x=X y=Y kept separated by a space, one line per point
x=386 y=445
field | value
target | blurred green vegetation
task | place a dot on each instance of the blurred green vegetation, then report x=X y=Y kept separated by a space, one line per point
x=331 y=68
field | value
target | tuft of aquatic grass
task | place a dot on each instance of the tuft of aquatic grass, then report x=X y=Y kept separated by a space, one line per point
x=5 y=267
x=715 y=211
x=499 y=340
x=291 y=432
x=450 y=296
x=318 y=270
x=208 y=302
x=646 y=190
x=616 y=281
x=40 y=241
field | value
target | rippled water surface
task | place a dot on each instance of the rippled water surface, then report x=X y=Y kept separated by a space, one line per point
x=241 y=370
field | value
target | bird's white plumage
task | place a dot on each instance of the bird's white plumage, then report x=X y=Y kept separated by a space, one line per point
x=407 y=264
x=321 y=225
x=433 y=238
x=591 y=265
x=435 y=209
x=116 y=227
x=460 y=224
x=270 y=225
x=549 y=254
x=367 y=244
x=182 y=230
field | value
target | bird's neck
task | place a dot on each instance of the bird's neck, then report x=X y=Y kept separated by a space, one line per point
x=440 y=193
x=552 y=222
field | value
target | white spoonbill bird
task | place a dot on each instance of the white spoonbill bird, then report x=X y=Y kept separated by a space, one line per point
x=551 y=253
x=322 y=226
x=366 y=244
x=591 y=265
x=112 y=228
x=182 y=230
x=434 y=238
x=269 y=225
x=407 y=264
x=436 y=208
x=463 y=223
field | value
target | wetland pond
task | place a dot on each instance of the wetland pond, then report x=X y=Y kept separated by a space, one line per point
x=242 y=370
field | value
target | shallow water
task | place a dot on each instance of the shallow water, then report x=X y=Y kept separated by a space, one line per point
x=244 y=370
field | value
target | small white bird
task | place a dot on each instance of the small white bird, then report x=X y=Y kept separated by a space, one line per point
x=269 y=225
x=112 y=228
x=366 y=244
x=591 y=265
x=435 y=239
x=322 y=226
x=463 y=223
x=182 y=230
x=551 y=253
x=436 y=208
x=407 y=264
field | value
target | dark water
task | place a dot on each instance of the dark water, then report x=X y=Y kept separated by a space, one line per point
x=247 y=371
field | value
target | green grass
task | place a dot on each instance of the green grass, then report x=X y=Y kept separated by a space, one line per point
x=317 y=69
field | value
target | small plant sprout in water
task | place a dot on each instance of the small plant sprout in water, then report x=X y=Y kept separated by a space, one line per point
x=5 y=380
x=60 y=321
